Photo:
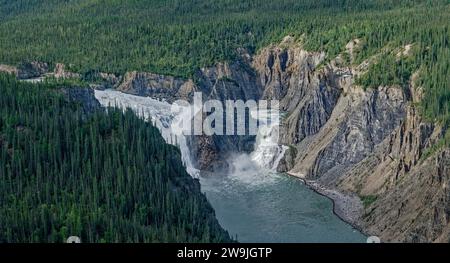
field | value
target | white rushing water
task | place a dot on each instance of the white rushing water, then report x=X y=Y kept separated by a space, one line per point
x=251 y=201
x=267 y=153
x=156 y=111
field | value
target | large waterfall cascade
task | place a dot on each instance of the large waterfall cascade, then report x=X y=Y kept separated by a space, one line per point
x=156 y=111
x=267 y=152
x=252 y=201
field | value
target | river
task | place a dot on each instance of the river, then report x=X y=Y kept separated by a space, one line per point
x=252 y=202
x=275 y=208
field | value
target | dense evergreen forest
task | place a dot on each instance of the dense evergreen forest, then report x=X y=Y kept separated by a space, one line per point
x=177 y=37
x=106 y=176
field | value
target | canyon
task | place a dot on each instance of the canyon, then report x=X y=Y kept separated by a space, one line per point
x=369 y=150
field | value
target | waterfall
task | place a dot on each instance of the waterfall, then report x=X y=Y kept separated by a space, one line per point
x=268 y=152
x=266 y=156
x=156 y=111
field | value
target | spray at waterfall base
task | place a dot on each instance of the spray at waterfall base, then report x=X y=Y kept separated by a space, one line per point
x=182 y=119
x=233 y=117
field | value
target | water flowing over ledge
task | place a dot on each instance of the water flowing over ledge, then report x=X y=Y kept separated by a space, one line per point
x=251 y=200
x=267 y=153
x=158 y=112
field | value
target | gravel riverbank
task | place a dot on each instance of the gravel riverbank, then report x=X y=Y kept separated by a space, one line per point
x=346 y=206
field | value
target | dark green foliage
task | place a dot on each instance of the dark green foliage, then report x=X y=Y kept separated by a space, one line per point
x=177 y=37
x=106 y=177
x=368 y=200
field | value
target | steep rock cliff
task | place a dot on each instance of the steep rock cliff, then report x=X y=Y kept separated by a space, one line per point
x=156 y=86
x=331 y=123
x=371 y=143
x=407 y=183
x=349 y=141
x=223 y=81
x=306 y=93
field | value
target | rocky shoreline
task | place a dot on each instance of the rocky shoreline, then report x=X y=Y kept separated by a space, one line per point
x=351 y=141
x=348 y=207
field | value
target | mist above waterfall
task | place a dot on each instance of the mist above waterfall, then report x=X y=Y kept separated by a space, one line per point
x=268 y=152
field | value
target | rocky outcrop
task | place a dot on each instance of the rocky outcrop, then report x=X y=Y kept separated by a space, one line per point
x=305 y=93
x=156 y=86
x=26 y=70
x=394 y=158
x=61 y=72
x=332 y=123
x=84 y=96
x=414 y=207
x=360 y=121
x=229 y=81
x=348 y=140
x=101 y=80
x=37 y=69
x=213 y=153
x=224 y=81
x=8 y=69
x=287 y=72
x=406 y=181
x=31 y=70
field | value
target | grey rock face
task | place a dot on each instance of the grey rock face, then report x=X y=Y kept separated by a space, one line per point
x=84 y=96
x=224 y=81
x=31 y=70
x=156 y=86
x=235 y=81
x=306 y=93
x=211 y=153
x=363 y=127
x=61 y=72
x=311 y=113
x=287 y=73
x=411 y=191
x=332 y=124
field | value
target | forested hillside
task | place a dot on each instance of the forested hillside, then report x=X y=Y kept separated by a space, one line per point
x=105 y=177
x=177 y=37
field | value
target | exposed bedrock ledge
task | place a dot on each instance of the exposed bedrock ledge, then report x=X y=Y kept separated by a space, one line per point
x=156 y=86
x=368 y=143
x=308 y=95
x=32 y=70
x=84 y=96
x=409 y=190
x=26 y=70
x=330 y=123
x=224 y=81
x=359 y=122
